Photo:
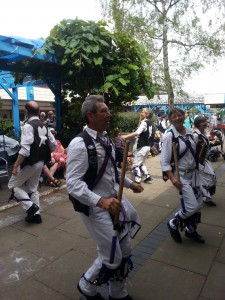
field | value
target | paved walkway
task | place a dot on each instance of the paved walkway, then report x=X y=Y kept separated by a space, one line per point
x=45 y=261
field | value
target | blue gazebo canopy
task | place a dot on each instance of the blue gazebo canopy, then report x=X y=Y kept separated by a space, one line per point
x=28 y=57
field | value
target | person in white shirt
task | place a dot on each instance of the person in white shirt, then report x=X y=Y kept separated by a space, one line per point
x=37 y=142
x=189 y=214
x=99 y=205
x=206 y=172
x=145 y=141
x=214 y=121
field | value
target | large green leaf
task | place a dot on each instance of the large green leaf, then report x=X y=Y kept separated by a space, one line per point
x=98 y=60
x=122 y=81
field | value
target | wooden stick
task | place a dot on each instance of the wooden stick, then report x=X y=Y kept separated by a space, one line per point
x=176 y=160
x=120 y=194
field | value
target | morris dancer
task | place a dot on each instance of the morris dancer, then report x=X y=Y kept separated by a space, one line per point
x=97 y=203
x=189 y=214
x=143 y=133
x=206 y=172
x=37 y=142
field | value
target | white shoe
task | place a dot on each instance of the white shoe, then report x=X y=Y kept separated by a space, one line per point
x=137 y=179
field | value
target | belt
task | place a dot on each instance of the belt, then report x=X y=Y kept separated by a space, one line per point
x=186 y=170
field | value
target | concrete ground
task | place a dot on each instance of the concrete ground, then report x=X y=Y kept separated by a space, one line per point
x=46 y=261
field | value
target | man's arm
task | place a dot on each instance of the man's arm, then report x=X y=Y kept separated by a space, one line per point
x=18 y=162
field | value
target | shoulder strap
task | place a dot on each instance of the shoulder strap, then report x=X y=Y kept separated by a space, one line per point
x=91 y=173
x=174 y=140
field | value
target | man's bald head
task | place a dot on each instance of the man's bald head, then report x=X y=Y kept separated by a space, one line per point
x=32 y=108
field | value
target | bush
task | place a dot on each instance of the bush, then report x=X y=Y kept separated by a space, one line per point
x=124 y=122
x=6 y=127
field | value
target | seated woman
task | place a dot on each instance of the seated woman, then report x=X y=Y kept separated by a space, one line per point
x=213 y=139
x=59 y=155
x=48 y=172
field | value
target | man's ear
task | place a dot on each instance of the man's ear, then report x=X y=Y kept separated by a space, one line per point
x=89 y=116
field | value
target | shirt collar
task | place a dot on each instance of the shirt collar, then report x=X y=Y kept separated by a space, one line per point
x=33 y=118
x=94 y=133
x=176 y=133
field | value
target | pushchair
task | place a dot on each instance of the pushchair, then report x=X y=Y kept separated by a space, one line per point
x=214 y=151
x=9 y=148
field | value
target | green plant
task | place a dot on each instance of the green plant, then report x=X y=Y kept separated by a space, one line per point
x=6 y=127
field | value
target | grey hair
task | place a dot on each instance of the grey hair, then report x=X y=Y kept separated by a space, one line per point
x=90 y=105
x=149 y=112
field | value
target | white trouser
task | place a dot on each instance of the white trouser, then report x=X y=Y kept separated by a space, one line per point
x=161 y=140
x=100 y=226
x=29 y=175
x=207 y=179
x=190 y=202
x=140 y=156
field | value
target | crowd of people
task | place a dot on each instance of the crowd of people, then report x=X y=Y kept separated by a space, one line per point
x=95 y=178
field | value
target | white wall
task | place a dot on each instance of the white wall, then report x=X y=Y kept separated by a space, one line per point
x=214 y=98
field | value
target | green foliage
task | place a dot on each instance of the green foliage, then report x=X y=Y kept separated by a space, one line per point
x=181 y=36
x=98 y=61
x=127 y=122
x=124 y=122
x=6 y=127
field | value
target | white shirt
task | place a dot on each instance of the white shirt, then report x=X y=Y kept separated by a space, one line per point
x=27 y=138
x=143 y=127
x=186 y=162
x=77 y=165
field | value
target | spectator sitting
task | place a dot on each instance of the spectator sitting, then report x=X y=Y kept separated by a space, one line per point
x=43 y=117
x=50 y=119
x=119 y=145
x=49 y=172
x=213 y=139
x=59 y=155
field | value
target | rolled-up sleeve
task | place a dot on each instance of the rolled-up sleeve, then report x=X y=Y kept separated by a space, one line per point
x=27 y=139
x=166 y=153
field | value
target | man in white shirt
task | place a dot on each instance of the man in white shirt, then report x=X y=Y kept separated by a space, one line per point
x=37 y=143
x=99 y=205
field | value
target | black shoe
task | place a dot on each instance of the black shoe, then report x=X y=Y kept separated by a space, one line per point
x=31 y=212
x=195 y=237
x=98 y=296
x=128 y=297
x=210 y=203
x=175 y=234
x=148 y=178
x=35 y=219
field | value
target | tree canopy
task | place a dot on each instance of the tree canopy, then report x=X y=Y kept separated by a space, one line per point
x=181 y=36
x=98 y=61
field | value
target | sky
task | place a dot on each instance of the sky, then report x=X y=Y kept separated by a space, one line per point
x=35 y=19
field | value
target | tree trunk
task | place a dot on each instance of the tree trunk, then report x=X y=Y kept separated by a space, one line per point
x=168 y=82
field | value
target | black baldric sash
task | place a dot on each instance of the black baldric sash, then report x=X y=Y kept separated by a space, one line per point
x=180 y=155
x=108 y=151
x=92 y=176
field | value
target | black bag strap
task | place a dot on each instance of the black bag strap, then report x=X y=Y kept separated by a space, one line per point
x=91 y=176
x=188 y=147
x=108 y=150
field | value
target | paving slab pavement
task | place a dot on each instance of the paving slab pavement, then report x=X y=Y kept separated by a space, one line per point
x=46 y=261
